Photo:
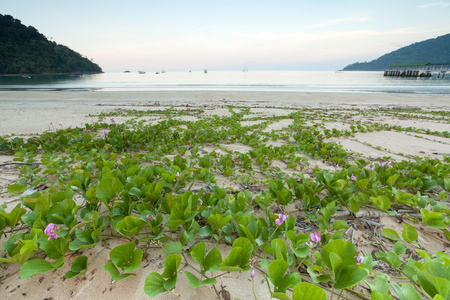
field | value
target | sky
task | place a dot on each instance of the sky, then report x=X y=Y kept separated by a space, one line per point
x=175 y=35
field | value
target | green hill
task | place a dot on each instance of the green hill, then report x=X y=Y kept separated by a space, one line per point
x=24 y=50
x=432 y=50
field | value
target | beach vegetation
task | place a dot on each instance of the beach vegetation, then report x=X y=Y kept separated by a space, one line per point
x=188 y=189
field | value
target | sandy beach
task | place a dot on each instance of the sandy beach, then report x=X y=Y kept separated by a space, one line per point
x=30 y=113
x=34 y=112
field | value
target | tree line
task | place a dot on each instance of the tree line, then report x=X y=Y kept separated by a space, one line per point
x=24 y=50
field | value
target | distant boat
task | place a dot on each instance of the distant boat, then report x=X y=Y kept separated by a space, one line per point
x=245 y=68
x=157 y=73
x=141 y=72
x=126 y=71
x=205 y=71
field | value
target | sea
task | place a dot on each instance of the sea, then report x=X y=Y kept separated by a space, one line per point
x=270 y=81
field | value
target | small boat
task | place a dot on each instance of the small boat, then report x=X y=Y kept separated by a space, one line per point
x=245 y=68
x=157 y=73
x=126 y=71
x=205 y=71
x=141 y=72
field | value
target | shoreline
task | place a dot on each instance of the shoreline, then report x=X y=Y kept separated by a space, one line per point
x=24 y=112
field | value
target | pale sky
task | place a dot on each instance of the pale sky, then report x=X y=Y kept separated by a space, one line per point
x=226 y=34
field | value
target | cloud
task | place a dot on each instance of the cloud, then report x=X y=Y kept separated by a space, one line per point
x=440 y=4
x=339 y=21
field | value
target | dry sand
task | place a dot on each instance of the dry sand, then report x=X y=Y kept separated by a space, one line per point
x=27 y=113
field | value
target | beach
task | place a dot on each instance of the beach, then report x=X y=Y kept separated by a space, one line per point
x=36 y=111
x=30 y=113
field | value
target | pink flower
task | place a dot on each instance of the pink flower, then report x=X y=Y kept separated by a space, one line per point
x=353 y=177
x=359 y=259
x=148 y=218
x=50 y=230
x=281 y=219
x=252 y=274
x=315 y=237
x=371 y=167
x=309 y=171
x=204 y=193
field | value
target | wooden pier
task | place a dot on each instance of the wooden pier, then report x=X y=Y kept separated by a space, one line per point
x=418 y=70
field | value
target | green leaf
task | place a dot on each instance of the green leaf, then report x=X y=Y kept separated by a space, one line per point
x=429 y=184
x=115 y=273
x=376 y=295
x=79 y=267
x=16 y=189
x=170 y=273
x=55 y=248
x=349 y=276
x=126 y=257
x=433 y=219
x=171 y=265
x=279 y=249
x=362 y=184
x=172 y=247
x=280 y=295
x=276 y=272
x=390 y=234
x=87 y=238
x=392 y=179
x=381 y=202
x=409 y=233
x=130 y=225
x=39 y=266
x=389 y=257
x=305 y=290
x=13 y=217
x=108 y=188
x=195 y=282
x=406 y=291
x=340 y=224
x=381 y=285
x=217 y=221
x=22 y=252
x=434 y=277
x=238 y=258
x=344 y=250
x=198 y=253
x=154 y=284
x=213 y=260
x=317 y=275
x=399 y=248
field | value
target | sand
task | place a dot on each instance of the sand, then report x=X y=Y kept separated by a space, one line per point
x=26 y=113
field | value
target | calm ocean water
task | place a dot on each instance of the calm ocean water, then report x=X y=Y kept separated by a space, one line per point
x=283 y=81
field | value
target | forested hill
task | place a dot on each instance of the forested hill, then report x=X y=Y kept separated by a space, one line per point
x=24 y=50
x=433 y=50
